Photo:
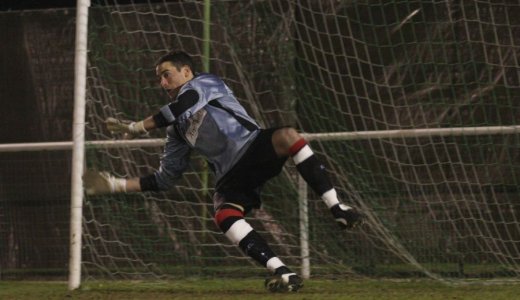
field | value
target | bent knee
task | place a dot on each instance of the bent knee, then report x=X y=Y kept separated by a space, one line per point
x=283 y=139
x=287 y=133
x=226 y=216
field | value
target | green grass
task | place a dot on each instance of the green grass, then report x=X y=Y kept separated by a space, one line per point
x=245 y=289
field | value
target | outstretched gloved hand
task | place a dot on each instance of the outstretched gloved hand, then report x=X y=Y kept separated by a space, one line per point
x=97 y=183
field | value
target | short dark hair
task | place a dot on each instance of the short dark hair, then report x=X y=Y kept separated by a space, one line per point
x=178 y=58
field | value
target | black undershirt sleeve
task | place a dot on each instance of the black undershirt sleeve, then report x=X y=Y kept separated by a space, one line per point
x=160 y=120
x=148 y=183
x=184 y=102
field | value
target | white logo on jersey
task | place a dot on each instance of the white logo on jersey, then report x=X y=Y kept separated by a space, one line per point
x=194 y=124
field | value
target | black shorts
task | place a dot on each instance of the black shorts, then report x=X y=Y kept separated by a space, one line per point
x=243 y=183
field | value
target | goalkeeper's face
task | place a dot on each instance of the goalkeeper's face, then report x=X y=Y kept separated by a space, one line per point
x=171 y=78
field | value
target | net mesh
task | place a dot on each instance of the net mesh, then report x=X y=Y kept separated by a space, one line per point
x=438 y=206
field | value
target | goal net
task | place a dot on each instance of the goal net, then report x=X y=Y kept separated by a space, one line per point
x=438 y=205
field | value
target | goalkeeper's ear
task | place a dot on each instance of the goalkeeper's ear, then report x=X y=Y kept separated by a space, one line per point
x=97 y=183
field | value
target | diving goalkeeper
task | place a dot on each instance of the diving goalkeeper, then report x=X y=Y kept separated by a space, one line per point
x=204 y=115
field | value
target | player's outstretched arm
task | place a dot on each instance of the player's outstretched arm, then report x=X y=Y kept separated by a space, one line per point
x=98 y=183
x=129 y=128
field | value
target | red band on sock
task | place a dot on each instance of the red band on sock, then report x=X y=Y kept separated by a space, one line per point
x=297 y=146
x=225 y=213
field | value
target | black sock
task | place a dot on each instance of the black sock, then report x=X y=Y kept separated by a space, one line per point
x=256 y=247
x=314 y=174
x=282 y=270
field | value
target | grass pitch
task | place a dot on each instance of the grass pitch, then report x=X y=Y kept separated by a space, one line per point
x=245 y=289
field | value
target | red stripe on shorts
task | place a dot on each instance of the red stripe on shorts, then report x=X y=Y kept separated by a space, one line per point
x=297 y=146
x=225 y=213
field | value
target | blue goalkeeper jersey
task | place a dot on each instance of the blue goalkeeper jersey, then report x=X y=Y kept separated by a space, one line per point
x=205 y=117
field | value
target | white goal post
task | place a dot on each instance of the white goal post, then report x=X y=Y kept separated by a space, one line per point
x=77 y=197
x=78 y=138
x=327 y=136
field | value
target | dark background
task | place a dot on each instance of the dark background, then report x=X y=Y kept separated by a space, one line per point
x=28 y=4
x=11 y=5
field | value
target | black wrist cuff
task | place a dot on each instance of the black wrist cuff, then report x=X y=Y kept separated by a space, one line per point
x=148 y=183
x=160 y=120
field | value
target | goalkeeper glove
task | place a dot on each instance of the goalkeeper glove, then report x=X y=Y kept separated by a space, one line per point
x=102 y=183
x=129 y=128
